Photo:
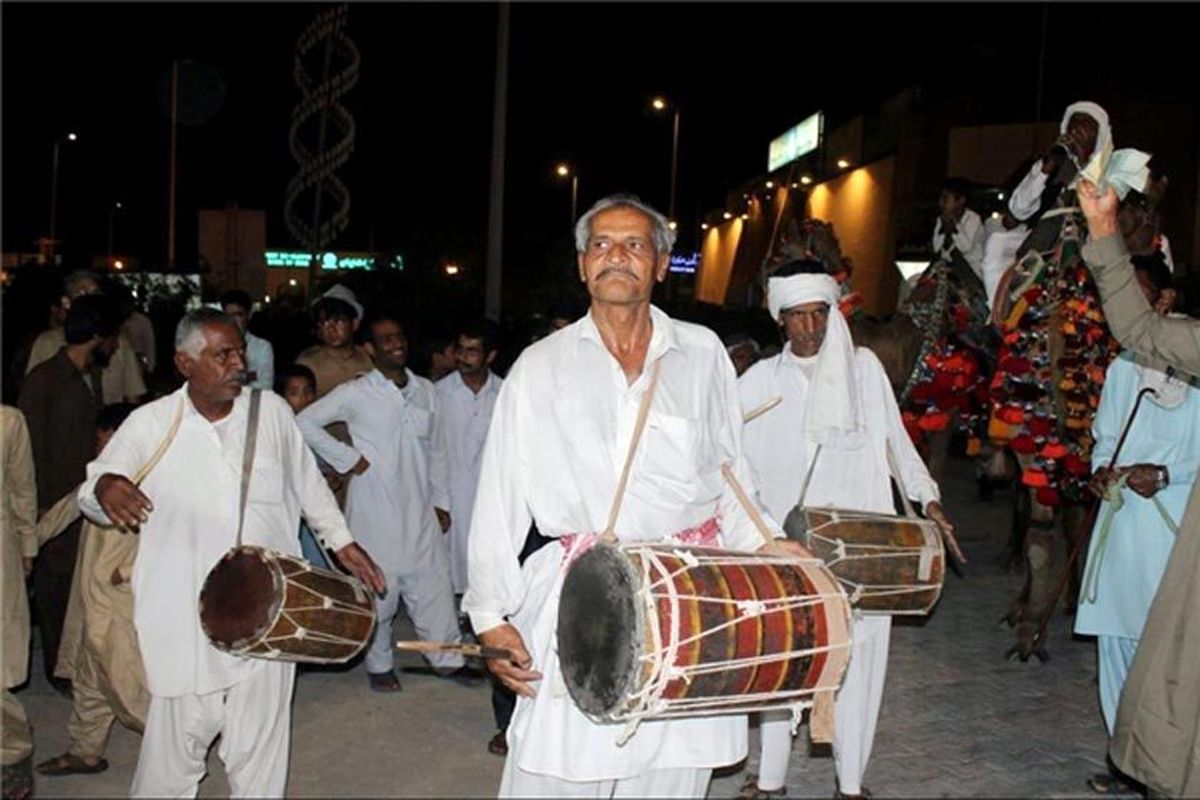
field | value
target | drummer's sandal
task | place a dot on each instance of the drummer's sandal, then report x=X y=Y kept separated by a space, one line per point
x=838 y=794
x=70 y=764
x=1107 y=783
x=384 y=681
x=750 y=790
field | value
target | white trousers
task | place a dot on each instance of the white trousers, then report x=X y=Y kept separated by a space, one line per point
x=855 y=712
x=657 y=783
x=254 y=720
x=430 y=604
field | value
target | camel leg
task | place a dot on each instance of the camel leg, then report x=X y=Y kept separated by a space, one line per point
x=1040 y=551
x=1073 y=518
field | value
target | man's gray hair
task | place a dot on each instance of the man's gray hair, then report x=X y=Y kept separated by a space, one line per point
x=189 y=334
x=664 y=237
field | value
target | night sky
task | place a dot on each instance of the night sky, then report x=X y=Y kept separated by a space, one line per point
x=581 y=79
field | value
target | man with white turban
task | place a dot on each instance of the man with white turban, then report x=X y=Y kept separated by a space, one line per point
x=1055 y=348
x=836 y=408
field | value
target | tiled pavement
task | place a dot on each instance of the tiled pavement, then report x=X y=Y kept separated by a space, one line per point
x=957 y=719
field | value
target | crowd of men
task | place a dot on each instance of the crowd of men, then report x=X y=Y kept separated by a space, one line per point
x=465 y=497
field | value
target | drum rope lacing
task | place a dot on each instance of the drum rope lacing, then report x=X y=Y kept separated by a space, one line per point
x=303 y=633
x=659 y=580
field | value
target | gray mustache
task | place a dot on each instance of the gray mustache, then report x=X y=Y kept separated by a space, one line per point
x=616 y=270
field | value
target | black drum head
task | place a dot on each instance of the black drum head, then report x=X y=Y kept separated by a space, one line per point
x=239 y=599
x=599 y=629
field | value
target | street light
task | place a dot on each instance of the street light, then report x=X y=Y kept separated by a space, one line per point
x=564 y=170
x=452 y=269
x=112 y=213
x=661 y=104
x=70 y=137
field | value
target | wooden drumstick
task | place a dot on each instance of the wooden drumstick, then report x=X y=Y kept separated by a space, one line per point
x=469 y=650
x=764 y=408
x=751 y=510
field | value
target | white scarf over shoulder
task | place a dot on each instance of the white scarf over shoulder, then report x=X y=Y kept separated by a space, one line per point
x=833 y=415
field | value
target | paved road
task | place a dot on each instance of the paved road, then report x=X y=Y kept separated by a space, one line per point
x=957 y=719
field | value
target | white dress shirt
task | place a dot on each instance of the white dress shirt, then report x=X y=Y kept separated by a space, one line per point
x=967 y=239
x=558 y=441
x=195 y=490
x=390 y=506
x=858 y=479
x=463 y=419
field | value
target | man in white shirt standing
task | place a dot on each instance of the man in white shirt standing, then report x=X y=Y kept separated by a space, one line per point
x=837 y=411
x=466 y=398
x=260 y=356
x=559 y=439
x=186 y=512
x=397 y=503
x=958 y=230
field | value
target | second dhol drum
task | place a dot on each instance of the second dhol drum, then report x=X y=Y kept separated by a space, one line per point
x=887 y=564
x=260 y=603
x=655 y=631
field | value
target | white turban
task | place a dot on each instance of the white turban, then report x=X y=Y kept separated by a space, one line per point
x=1124 y=169
x=832 y=415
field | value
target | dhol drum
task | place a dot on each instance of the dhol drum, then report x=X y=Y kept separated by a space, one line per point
x=887 y=564
x=656 y=631
x=265 y=604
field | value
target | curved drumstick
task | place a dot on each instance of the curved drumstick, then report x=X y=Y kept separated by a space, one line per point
x=469 y=650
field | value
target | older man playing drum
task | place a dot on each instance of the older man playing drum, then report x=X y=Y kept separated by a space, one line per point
x=565 y=424
x=837 y=412
x=187 y=513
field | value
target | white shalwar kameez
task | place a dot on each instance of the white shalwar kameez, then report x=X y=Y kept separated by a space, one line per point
x=196 y=690
x=463 y=419
x=562 y=426
x=390 y=507
x=780 y=451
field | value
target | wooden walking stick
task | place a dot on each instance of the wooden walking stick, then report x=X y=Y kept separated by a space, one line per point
x=1035 y=646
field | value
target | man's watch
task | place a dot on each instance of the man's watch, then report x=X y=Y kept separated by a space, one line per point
x=1163 y=480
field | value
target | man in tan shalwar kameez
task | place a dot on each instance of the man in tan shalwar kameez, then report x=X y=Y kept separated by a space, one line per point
x=18 y=546
x=1157 y=736
x=99 y=652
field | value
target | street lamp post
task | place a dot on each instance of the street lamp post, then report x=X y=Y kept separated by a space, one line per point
x=54 y=190
x=661 y=104
x=564 y=171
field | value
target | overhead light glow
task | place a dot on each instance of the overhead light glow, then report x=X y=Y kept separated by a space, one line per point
x=806 y=180
x=727 y=215
x=842 y=163
x=770 y=184
x=452 y=269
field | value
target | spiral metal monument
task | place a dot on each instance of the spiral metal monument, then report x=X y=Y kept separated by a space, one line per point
x=321 y=136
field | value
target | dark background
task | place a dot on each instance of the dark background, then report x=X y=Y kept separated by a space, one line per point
x=580 y=82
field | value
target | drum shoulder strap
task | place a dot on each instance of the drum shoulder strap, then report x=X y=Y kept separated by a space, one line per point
x=248 y=457
x=892 y=468
x=610 y=534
